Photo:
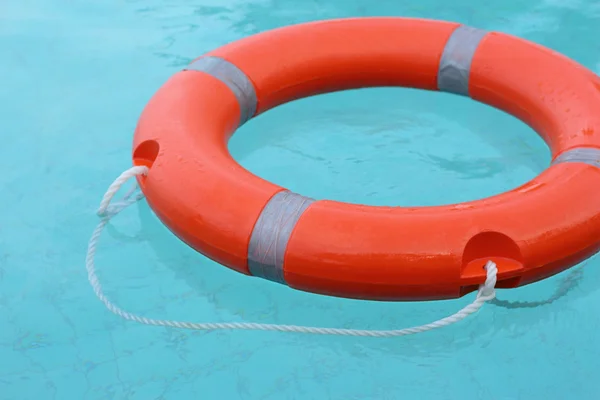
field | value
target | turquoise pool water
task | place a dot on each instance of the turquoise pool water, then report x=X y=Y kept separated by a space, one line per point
x=76 y=75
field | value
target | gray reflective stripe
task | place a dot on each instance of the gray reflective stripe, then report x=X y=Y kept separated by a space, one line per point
x=234 y=78
x=272 y=232
x=587 y=155
x=455 y=63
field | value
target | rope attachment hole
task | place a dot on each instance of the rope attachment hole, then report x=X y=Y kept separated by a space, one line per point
x=145 y=154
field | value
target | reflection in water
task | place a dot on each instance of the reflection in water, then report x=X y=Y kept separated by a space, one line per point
x=568 y=283
x=471 y=168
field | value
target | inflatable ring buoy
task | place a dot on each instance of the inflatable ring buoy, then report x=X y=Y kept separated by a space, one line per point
x=356 y=251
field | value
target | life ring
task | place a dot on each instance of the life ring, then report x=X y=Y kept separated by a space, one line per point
x=258 y=228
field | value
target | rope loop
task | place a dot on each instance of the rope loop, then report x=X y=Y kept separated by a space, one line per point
x=107 y=210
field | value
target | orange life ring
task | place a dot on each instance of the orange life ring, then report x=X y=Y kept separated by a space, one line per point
x=382 y=253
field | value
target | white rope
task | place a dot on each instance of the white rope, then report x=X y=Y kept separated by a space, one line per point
x=107 y=210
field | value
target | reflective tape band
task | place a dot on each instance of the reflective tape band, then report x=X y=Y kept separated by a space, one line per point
x=272 y=232
x=455 y=63
x=586 y=155
x=234 y=78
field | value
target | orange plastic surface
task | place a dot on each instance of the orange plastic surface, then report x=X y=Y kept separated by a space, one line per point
x=380 y=253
